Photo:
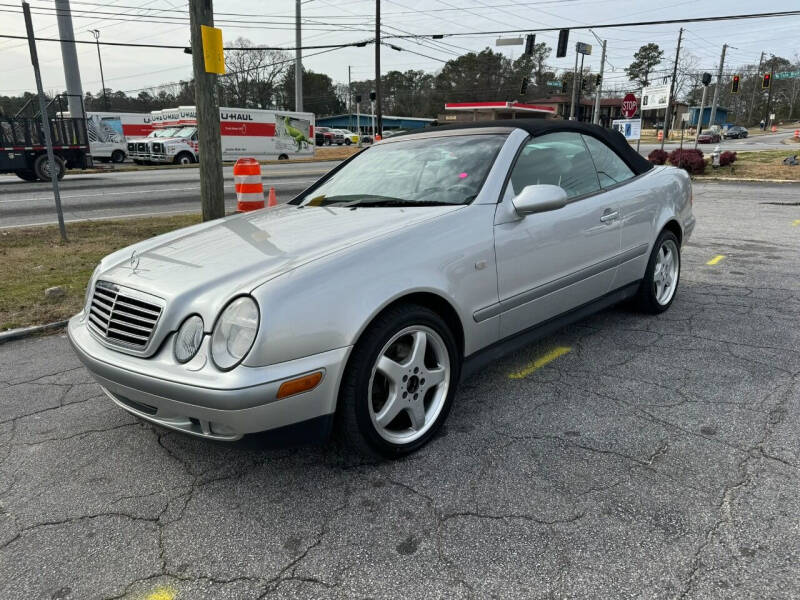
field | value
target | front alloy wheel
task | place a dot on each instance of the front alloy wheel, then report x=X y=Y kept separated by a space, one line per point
x=399 y=383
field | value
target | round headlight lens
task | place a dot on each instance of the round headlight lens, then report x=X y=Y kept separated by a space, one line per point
x=234 y=333
x=188 y=339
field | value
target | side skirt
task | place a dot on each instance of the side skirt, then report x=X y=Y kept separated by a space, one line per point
x=480 y=359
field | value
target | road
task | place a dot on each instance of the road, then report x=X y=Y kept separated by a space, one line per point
x=136 y=193
x=169 y=191
x=768 y=141
x=658 y=458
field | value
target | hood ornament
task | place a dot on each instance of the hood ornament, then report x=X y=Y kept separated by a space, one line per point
x=133 y=262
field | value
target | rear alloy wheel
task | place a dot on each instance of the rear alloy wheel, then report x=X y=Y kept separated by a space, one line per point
x=657 y=290
x=41 y=167
x=400 y=382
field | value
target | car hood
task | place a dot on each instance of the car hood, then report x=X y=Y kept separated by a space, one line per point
x=238 y=253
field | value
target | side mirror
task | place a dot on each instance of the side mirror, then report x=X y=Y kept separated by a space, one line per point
x=539 y=198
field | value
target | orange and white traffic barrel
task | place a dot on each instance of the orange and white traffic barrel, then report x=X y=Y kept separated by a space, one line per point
x=249 y=189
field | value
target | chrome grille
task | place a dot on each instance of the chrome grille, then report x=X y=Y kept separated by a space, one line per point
x=141 y=147
x=121 y=316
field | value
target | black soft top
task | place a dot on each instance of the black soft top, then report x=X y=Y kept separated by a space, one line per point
x=539 y=127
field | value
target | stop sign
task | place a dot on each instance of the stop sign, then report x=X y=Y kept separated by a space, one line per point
x=629 y=106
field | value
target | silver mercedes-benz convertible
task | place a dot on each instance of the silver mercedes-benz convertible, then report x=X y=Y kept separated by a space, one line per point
x=361 y=303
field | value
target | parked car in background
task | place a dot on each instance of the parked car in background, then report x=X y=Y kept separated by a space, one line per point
x=325 y=136
x=735 y=132
x=443 y=250
x=348 y=136
x=708 y=137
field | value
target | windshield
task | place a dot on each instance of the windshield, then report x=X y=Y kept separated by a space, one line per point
x=428 y=171
x=164 y=132
x=185 y=132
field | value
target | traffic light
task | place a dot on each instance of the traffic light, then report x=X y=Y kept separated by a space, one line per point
x=563 y=40
x=523 y=89
x=735 y=85
x=706 y=78
x=563 y=86
x=530 y=41
x=598 y=80
x=583 y=83
x=372 y=96
x=765 y=81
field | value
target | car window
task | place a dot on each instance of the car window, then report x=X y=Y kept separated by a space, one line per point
x=558 y=159
x=611 y=169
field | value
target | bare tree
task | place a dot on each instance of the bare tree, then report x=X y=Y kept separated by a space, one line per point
x=252 y=76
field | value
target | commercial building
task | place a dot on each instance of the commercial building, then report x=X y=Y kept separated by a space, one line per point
x=460 y=112
x=352 y=122
x=720 y=118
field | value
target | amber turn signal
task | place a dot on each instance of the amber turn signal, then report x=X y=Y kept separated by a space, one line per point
x=299 y=385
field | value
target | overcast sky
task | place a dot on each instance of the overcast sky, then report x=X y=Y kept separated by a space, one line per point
x=334 y=21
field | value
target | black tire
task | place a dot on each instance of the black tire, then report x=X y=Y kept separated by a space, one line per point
x=347 y=141
x=117 y=156
x=184 y=158
x=354 y=423
x=26 y=175
x=646 y=300
x=283 y=157
x=42 y=169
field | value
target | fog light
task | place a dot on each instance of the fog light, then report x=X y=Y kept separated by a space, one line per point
x=299 y=385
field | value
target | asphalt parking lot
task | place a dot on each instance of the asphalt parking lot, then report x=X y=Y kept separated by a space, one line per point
x=653 y=457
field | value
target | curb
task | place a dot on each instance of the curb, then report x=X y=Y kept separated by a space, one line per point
x=26 y=332
x=745 y=180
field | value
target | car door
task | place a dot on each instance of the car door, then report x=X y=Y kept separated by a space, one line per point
x=637 y=211
x=551 y=262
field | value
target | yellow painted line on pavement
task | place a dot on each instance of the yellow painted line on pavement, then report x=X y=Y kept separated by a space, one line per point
x=796 y=222
x=164 y=593
x=716 y=259
x=540 y=362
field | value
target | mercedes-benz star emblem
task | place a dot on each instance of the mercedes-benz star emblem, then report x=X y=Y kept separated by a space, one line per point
x=134 y=261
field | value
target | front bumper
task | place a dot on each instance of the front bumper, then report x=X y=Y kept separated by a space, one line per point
x=198 y=399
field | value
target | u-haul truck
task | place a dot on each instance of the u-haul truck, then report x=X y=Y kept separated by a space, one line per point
x=260 y=134
x=109 y=133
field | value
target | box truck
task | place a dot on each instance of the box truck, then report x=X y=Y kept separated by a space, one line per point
x=109 y=133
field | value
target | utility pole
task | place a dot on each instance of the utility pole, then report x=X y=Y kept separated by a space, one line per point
x=349 y=99
x=769 y=94
x=212 y=193
x=96 y=34
x=756 y=87
x=379 y=110
x=298 y=61
x=69 y=57
x=579 y=111
x=716 y=89
x=596 y=119
x=700 y=118
x=51 y=160
x=670 y=102
x=574 y=87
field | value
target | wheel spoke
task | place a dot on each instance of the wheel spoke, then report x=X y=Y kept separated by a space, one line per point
x=417 y=354
x=434 y=377
x=390 y=409
x=393 y=371
x=416 y=412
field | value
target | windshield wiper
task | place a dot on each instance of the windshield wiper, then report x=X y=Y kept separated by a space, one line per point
x=401 y=202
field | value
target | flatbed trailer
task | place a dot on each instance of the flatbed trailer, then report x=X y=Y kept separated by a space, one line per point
x=23 y=150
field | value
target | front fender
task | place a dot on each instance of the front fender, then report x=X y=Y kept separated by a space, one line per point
x=328 y=303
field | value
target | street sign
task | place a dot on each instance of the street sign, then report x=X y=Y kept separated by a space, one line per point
x=630 y=128
x=787 y=74
x=555 y=84
x=629 y=106
x=509 y=41
x=213 y=56
x=655 y=96
x=582 y=48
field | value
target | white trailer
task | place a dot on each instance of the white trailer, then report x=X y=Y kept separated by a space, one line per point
x=110 y=132
x=260 y=134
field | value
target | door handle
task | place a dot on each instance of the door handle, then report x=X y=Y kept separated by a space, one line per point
x=609 y=216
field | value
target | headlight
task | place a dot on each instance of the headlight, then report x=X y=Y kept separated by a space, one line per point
x=234 y=333
x=188 y=339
